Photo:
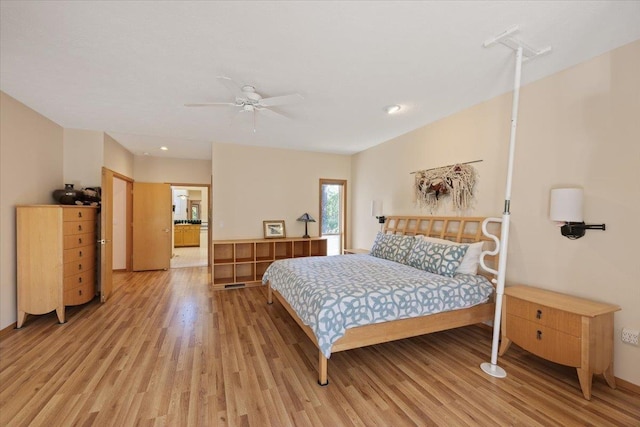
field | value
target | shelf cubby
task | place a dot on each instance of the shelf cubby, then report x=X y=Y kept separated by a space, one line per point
x=261 y=267
x=301 y=248
x=223 y=253
x=283 y=250
x=244 y=252
x=264 y=251
x=223 y=274
x=245 y=272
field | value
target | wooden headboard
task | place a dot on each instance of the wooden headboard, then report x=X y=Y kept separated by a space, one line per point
x=461 y=229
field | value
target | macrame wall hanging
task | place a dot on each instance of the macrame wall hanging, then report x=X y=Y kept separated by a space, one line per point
x=454 y=181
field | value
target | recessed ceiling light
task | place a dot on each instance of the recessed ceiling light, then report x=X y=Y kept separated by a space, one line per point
x=163 y=148
x=392 y=109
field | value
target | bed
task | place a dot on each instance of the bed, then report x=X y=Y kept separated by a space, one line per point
x=350 y=301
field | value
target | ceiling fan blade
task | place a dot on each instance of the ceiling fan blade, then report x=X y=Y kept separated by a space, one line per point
x=235 y=89
x=280 y=100
x=209 y=104
x=270 y=113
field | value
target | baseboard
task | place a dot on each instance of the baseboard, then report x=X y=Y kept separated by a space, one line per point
x=8 y=329
x=627 y=385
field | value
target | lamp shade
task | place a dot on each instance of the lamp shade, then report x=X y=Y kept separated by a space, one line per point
x=306 y=218
x=566 y=205
x=376 y=208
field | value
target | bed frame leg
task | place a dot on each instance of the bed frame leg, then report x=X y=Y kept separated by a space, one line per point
x=322 y=370
x=269 y=294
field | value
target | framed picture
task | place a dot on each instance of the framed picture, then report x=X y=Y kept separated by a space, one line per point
x=274 y=229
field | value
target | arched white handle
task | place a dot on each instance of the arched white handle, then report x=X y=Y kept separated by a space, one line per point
x=495 y=239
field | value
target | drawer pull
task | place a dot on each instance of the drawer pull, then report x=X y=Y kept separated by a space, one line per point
x=79 y=227
x=539 y=335
x=79 y=279
x=79 y=266
x=539 y=315
x=79 y=214
x=80 y=292
x=80 y=253
x=79 y=240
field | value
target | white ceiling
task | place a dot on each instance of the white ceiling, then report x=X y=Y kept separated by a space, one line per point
x=127 y=68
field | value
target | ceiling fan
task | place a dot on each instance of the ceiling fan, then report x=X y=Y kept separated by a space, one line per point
x=248 y=100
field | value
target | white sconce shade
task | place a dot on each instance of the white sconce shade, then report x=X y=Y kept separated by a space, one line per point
x=566 y=205
x=376 y=208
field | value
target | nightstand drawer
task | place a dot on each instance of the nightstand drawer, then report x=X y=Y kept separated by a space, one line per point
x=563 y=321
x=545 y=341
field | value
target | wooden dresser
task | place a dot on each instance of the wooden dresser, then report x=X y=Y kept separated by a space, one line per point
x=561 y=328
x=56 y=258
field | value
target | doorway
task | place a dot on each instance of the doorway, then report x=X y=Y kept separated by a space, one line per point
x=333 y=214
x=190 y=233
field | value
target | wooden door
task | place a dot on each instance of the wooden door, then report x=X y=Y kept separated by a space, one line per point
x=151 y=226
x=105 y=243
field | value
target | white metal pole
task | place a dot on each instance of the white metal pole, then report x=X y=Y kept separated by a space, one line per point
x=492 y=368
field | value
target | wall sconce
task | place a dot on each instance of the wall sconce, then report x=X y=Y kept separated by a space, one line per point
x=566 y=207
x=306 y=218
x=376 y=210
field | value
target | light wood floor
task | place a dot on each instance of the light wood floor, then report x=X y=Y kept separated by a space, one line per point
x=166 y=350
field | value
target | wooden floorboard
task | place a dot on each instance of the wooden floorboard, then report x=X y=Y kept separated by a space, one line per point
x=167 y=350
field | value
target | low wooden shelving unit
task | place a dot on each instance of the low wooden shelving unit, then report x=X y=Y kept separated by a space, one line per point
x=239 y=263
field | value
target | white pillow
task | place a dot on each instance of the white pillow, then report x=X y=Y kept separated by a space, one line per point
x=471 y=260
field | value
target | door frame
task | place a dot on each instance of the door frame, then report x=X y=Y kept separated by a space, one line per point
x=209 y=212
x=129 y=219
x=343 y=203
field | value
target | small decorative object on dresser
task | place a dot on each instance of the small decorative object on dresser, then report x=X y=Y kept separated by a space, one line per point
x=561 y=328
x=274 y=229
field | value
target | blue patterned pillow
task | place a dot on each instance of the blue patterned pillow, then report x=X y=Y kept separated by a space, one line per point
x=436 y=257
x=392 y=247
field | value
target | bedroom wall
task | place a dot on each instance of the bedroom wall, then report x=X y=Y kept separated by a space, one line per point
x=579 y=127
x=83 y=157
x=30 y=169
x=253 y=184
x=161 y=169
x=117 y=158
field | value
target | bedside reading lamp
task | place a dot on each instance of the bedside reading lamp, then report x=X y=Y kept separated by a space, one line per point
x=306 y=218
x=566 y=207
x=376 y=210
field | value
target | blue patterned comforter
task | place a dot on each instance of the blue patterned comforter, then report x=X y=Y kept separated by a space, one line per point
x=333 y=293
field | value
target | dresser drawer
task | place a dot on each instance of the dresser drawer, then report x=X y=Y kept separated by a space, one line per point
x=79 y=295
x=76 y=267
x=78 y=240
x=544 y=341
x=78 y=214
x=79 y=279
x=563 y=321
x=84 y=253
x=78 y=227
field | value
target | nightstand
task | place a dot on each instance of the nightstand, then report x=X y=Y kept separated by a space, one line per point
x=355 y=251
x=561 y=328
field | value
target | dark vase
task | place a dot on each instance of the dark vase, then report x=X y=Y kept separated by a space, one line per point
x=67 y=196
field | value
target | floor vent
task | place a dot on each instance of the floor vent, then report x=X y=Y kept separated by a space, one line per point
x=235 y=285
